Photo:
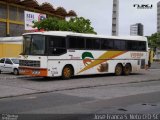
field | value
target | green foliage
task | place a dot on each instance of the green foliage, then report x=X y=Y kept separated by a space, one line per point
x=154 y=40
x=80 y=25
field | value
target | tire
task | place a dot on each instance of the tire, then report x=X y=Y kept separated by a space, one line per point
x=0 y=71
x=127 y=69
x=67 y=72
x=118 y=70
x=15 y=72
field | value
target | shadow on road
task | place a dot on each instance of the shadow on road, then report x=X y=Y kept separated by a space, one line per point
x=45 y=79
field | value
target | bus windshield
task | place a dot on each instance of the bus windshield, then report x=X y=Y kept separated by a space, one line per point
x=34 y=45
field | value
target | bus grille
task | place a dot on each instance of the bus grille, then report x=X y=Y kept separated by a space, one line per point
x=30 y=63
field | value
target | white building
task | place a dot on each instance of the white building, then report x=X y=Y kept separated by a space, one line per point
x=115 y=17
x=158 y=16
x=136 y=29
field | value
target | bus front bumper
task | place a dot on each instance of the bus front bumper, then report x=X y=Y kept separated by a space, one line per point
x=39 y=72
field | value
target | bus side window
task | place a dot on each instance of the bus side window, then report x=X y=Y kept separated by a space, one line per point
x=119 y=45
x=76 y=42
x=107 y=44
x=142 y=46
x=136 y=45
x=92 y=43
x=56 y=45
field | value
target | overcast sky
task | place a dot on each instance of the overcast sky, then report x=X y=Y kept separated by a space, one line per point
x=100 y=14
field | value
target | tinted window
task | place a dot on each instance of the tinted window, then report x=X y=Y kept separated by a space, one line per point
x=56 y=42
x=119 y=44
x=8 y=61
x=136 y=45
x=107 y=44
x=92 y=43
x=38 y=45
x=26 y=44
x=2 y=60
x=56 y=45
x=76 y=43
x=142 y=45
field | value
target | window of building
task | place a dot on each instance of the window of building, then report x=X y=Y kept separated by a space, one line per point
x=21 y=14
x=13 y=13
x=3 y=29
x=16 y=30
x=3 y=11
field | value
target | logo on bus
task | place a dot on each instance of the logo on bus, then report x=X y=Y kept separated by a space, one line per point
x=87 y=58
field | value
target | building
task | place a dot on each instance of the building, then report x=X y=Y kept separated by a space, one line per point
x=136 y=29
x=158 y=16
x=115 y=17
x=10 y=46
x=12 y=14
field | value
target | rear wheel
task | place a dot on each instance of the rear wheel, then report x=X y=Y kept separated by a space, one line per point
x=127 y=69
x=67 y=72
x=0 y=72
x=118 y=70
x=16 y=72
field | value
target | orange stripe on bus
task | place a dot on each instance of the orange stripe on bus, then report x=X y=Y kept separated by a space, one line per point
x=29 y=71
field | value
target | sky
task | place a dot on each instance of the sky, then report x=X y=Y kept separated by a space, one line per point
x=100 y=14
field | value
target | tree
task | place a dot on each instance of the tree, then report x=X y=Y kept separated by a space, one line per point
x=81 y=25
x=154 y=40
x=77 y=24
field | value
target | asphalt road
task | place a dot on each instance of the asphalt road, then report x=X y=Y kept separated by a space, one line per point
x=11 y=85
x=141 y=98
x=81 y=98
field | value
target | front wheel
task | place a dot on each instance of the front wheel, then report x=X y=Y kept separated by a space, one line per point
x=67 y=72
x=16 y=72
x=118 y=70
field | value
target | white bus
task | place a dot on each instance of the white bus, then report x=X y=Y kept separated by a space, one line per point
x=66 y=54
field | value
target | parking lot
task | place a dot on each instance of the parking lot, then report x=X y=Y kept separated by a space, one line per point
x=11 y=85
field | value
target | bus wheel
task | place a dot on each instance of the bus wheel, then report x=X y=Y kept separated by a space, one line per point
x=67 y=72
x=127 y=69
x=118 y=70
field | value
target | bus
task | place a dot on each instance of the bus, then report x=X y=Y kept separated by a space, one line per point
x=67 y=54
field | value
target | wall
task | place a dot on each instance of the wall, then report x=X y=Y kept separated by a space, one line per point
x=10 y=49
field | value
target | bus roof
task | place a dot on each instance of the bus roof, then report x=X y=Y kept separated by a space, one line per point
x=65 y=33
